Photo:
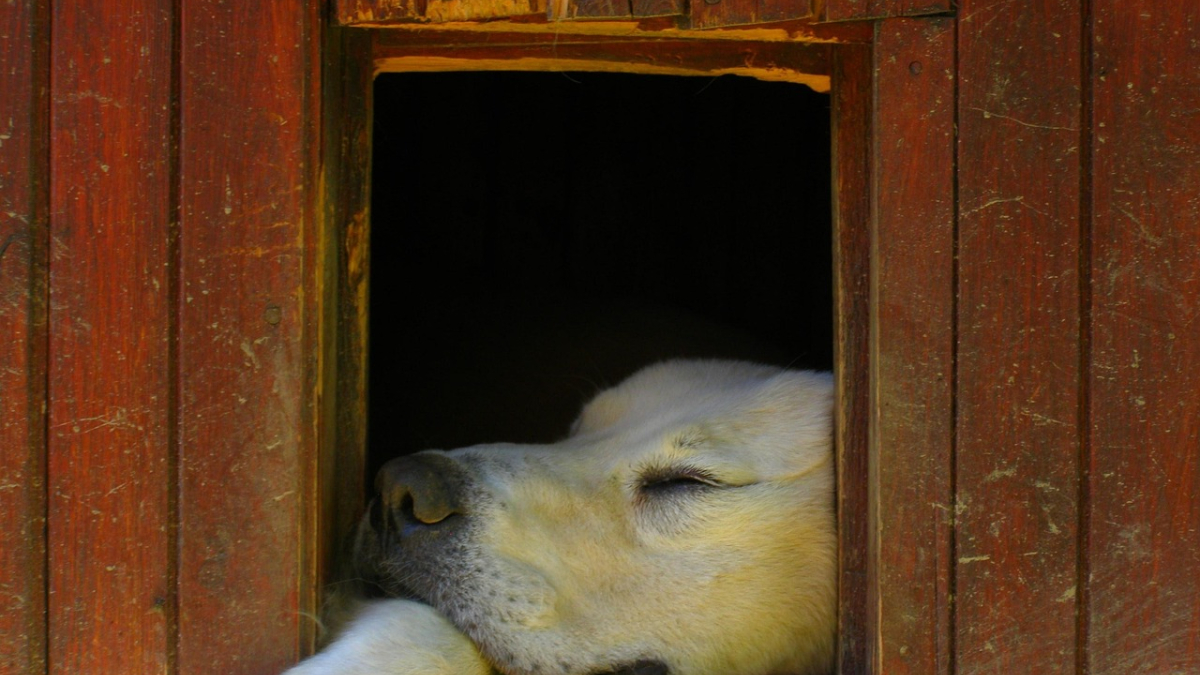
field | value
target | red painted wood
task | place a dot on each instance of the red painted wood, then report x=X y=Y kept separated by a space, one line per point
x=23 y=184
x=248 y=322
x=847 y=10
x=852 y=107
x=1019 y=121
x=912 y=347
x=1144 y=473
x=110 y=369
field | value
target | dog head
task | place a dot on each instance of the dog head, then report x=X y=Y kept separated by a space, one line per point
x=685 y=526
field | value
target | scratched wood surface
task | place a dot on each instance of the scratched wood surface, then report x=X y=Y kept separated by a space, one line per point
x=165 y=308
x=1144 y=478
x=714 y=13
x=912 y=346
x=248 y=322
x=1019 y=336
x=851 y=10
x=110 y=424
x=851 y=114
x=23 y=183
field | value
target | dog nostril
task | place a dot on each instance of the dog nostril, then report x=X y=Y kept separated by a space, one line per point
x=405 y=509
x=419 y=490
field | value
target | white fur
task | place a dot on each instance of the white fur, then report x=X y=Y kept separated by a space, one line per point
x=574 y=567
x=397 y=637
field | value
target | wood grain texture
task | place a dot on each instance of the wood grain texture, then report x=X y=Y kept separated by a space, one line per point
x=353 y=12
x=715 y=13
x=649 y=8
x=1019 y=336
x=1144 y=553
x=807 y=63
x=855 y=10
x=346 y=202
x=912 y=346
x=851 y=113
x=23 y=203
x=587 y=9
x=110 y=370
x=249 y=322
x=541 y=29
x=480 y=10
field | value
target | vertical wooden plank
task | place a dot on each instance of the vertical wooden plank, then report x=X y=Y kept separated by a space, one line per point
x=1019 y=336
x=851 y=10
x=110 y=220
x=348 y=100
x=249 y=322
x=851 y=113
x=912 y=346
x=23 y=184
x=1144 y=613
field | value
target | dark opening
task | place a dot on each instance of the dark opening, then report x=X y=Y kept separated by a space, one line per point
x=539 y=236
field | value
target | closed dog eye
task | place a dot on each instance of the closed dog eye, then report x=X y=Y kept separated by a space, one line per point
x=666 y=481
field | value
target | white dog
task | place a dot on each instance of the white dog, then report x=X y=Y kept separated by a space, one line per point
x=686 y=527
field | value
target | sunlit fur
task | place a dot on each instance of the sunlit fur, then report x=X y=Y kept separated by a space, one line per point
x=580 y=558
x=397 y=637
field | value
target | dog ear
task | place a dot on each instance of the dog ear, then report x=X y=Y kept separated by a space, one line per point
x=788 y=419
x=602 y=412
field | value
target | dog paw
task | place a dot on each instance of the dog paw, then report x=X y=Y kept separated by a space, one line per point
x=397 y=637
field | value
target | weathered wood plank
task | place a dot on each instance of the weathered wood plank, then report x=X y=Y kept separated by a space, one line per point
x=378 y=12
x=715 y=13
x=478 y=10
x=851 y=115
x=249 y=322
x=110 y=596
x=347 y=138
x=648 y=8
x=593 y=9
x=912 y=346
x=1019 y=374
x=614 y=9
x=1144 y=552
x=24 y=80
x=803 y=63
x=352 y=12
x=850 y=10
x=532 y=30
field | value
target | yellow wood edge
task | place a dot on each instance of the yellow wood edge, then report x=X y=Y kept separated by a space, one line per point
x=429 y=64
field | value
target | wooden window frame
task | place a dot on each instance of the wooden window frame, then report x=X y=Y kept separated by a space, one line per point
x=893 y=186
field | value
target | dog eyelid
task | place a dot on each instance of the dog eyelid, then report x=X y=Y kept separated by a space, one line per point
x=669 y=477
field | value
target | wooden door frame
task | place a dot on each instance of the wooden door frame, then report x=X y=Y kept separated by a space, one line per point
x=892 y=94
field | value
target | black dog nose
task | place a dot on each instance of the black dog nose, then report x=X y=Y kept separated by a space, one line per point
x=419 y=491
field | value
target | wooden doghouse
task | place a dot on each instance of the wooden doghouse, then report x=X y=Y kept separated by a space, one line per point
x=183 y=282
